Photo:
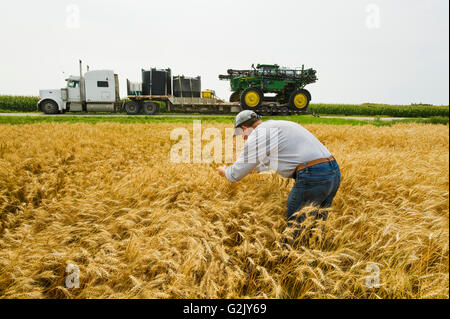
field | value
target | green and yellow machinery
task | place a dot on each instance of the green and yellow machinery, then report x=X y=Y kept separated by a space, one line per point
x=288 y=85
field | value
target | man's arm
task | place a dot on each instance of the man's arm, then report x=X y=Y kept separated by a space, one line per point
x=241 y=168
x=248 y=160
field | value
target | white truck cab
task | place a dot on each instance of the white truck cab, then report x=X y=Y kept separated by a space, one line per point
x=96 y=91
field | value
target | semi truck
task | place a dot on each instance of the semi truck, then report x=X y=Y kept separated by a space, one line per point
x=98 y=91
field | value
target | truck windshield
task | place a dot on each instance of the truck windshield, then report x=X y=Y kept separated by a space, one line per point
x=73 y=84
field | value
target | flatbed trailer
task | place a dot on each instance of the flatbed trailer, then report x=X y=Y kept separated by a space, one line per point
x=205 y=105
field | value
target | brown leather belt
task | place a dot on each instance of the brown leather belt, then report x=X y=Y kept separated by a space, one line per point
x=315 y=162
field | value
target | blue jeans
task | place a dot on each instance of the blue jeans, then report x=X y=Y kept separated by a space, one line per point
x=317 y=185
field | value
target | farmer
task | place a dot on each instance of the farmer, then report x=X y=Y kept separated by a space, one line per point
x=293 y=152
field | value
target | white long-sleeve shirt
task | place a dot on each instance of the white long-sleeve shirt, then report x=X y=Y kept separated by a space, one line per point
x=279 y=146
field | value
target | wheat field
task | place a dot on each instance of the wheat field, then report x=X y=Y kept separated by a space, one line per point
x=106 y=198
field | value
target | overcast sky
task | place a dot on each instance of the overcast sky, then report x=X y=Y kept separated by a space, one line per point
x=384 y=51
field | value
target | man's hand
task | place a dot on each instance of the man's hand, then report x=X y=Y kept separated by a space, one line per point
x=221 y=170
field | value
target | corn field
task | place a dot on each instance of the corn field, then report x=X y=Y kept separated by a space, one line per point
x=18 y=103
x=382 y=109
x=106 y=198
x=28 y=104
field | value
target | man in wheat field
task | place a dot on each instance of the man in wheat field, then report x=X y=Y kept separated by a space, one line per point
x=293 y=152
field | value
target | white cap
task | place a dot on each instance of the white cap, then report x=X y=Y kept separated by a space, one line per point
x=241 y=118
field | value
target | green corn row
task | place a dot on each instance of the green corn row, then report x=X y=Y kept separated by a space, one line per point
x=28 y=104
x=381 y=109
x=18 y=103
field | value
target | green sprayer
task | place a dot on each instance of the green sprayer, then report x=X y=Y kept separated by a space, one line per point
x=249 y=86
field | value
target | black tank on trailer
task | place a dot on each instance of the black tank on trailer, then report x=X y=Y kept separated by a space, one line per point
x=196 y=87
x=157 y=82
x=186 y=86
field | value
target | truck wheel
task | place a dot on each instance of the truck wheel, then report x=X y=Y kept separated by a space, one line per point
x=49 y=107
x=299 y=100
x=252 y=98
x=235 y=97
x=150 y=108
x=132 y=108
